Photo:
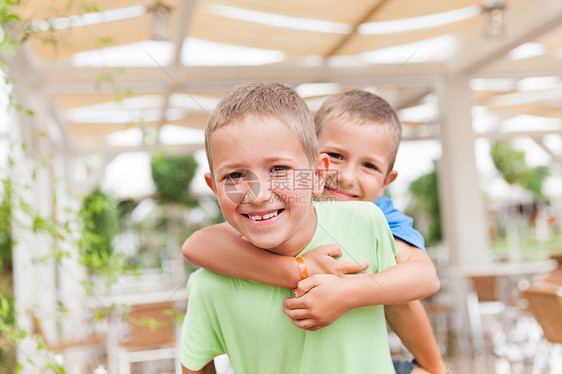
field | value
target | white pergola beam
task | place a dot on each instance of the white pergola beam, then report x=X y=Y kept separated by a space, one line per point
x=525 y=97
x=82 y=188
x=184 y=22
x=555 y=157
x=412 y=98
x=541 y=66
x=525 y=21
x=514 y=134
x=75 y=80
x=104 y=149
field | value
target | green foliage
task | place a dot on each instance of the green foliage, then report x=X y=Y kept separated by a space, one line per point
x=9 y=20
x=8 y=44
x=16 y=32
x=99 y=219
x=172 y=176
x=7 y=15
x=7 y=318
x=103 y=41
x=11 y=334
x=124 y=210
x=425 y=202
x=100 y=224
x=6 y=239
x=510 y=162
x=535 y=180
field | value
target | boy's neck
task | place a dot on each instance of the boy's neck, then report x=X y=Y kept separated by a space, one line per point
x=301 y=238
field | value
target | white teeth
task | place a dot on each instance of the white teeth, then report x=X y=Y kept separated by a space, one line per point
x=266 y=216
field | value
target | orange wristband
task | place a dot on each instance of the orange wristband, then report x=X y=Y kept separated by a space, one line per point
x=302 y=270
x=302 y=267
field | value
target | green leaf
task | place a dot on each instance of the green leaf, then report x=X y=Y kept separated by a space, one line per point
x=25 y=206
x=105 y=40
x=4 y=306
x=99 y=315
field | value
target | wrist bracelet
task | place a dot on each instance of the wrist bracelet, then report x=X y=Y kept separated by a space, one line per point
x=302 y=267
x=302 y=270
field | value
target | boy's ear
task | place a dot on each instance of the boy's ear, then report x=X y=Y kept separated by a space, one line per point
x=390 y=177
x=210 y=182
x=320 y=173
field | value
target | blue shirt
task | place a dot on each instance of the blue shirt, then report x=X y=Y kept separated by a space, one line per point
x=400 y=224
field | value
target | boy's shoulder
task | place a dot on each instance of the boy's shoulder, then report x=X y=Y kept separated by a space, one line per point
x=204 y=282
x=365 y=209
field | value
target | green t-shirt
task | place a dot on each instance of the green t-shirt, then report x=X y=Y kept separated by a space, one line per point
x=245 y=319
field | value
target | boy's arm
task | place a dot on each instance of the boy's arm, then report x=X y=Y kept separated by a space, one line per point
x=410 y=322
x=207 y=369
x=221 y=249
x=326 y=298
x=415 y=265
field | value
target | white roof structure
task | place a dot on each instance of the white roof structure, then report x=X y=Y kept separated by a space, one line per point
x=123 y=69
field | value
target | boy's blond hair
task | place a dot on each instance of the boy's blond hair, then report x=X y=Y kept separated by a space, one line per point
x=268 y=100
x=362 y=107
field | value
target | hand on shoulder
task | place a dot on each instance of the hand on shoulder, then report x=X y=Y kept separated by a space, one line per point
x=320 y=260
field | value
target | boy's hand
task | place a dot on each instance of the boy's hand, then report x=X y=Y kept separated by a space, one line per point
x=320 y=260
x=321 y=303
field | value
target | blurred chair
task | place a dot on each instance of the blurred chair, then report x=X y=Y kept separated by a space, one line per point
x=482 y=299
x=556 y=275
x=91 y=340
x=69 y=352
x=442 y=310
x=545 y=304
x=147 y=332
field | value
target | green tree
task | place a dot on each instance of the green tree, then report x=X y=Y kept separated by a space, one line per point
x=172 y=176
x=425 y=205
x=510 y=162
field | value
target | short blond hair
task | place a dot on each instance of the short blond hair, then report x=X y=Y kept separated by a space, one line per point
x=362 y=107
x=268 y=100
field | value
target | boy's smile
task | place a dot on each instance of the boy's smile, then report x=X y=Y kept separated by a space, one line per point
x=360 y=153
x=255 y=167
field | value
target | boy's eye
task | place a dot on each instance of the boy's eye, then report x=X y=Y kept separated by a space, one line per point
x=234 y=177
x=335 y=156
x=368 y=165
x=279 y=170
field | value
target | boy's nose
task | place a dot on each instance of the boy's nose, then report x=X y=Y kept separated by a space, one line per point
x=261 y=191
x=346 y=176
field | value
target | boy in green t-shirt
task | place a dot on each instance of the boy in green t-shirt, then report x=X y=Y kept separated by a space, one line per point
x=259 y=142
x=360 y=132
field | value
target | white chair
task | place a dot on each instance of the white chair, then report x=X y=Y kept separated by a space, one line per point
x=147 y=332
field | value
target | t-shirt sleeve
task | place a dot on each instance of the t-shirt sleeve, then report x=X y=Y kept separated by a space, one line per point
x=200 y=338
x=385 y=249
x=400 y=224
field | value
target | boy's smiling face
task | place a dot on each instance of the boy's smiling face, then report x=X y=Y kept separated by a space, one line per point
x=256 y=163
x=360 y=153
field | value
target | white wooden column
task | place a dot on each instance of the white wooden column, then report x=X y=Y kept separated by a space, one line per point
x=462 y=208
x=34 y=282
